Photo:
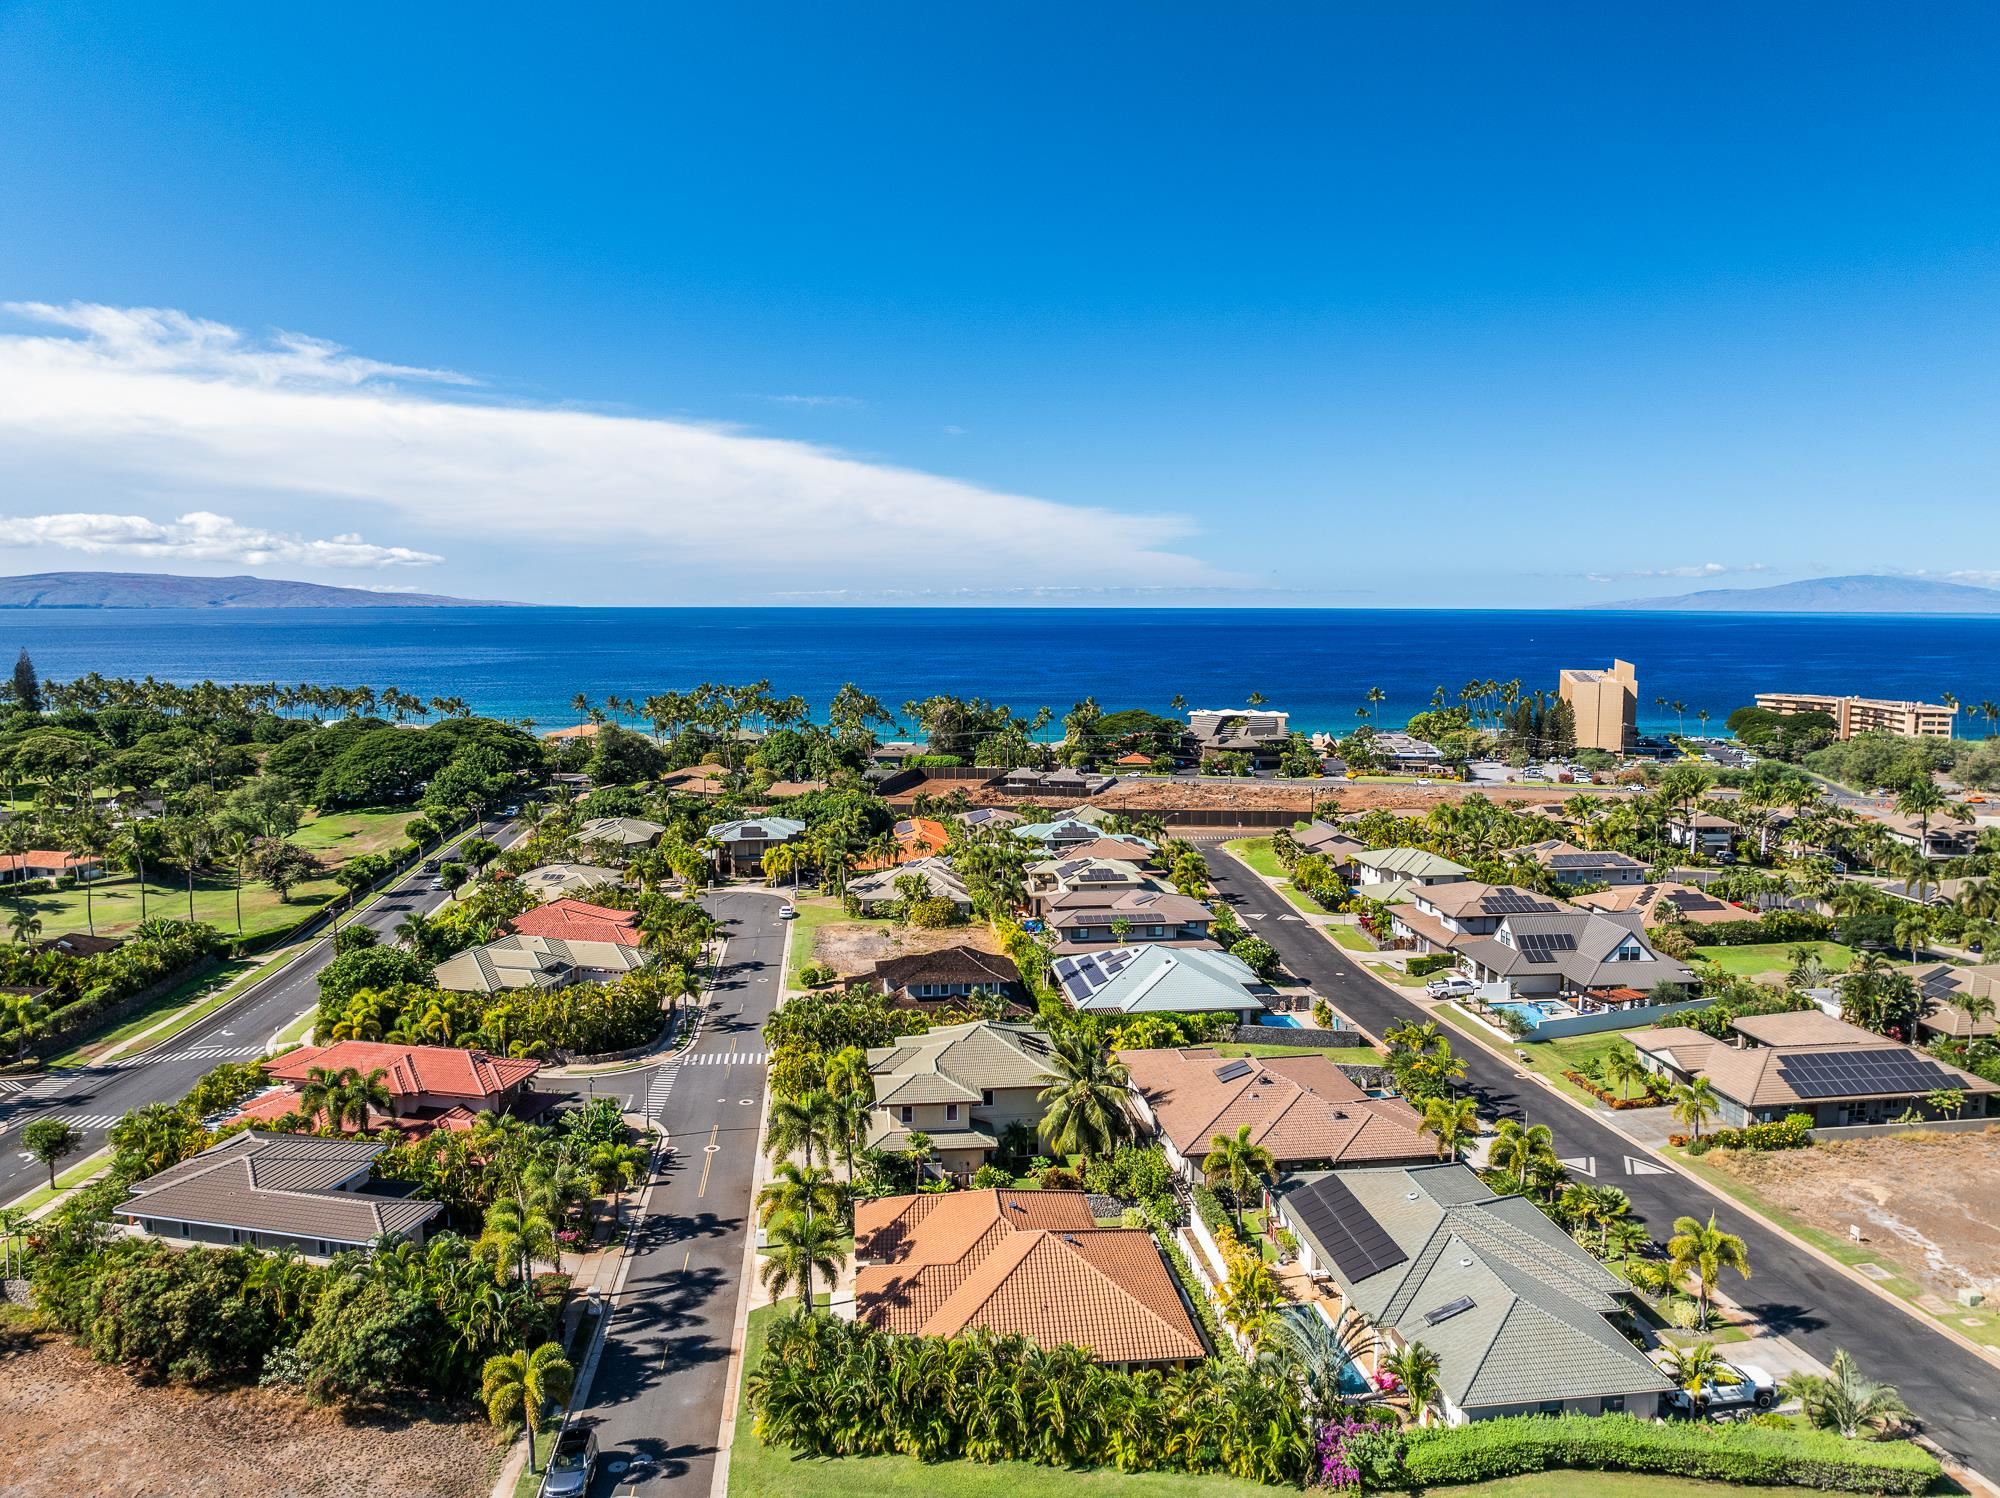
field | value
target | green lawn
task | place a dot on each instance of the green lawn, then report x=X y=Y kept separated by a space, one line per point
x=1350 y=937
x=1360 y=1055
x=760 y=1471
x=813 y=914
x=1397 y=976
x=341 y=835
x=1773 y=956
x=1547 y=1058
x=1258 y=854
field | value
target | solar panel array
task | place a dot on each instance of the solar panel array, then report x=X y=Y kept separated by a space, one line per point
x=1512 y=902
x=1083 y=976
x=1229 y=1071
x=1889 y=1071
x=1938 y=983
x=1357 y=1243
x=1542 y=946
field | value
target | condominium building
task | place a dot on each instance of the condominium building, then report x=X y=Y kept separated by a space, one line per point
x=1606 y=705
x=1852 y=715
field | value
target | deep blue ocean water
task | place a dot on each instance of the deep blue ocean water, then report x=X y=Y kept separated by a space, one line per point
x=1316 y=664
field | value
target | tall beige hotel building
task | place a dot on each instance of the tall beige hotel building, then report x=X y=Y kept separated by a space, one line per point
x=1606 y=704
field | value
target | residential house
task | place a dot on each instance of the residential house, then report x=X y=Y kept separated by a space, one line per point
x=963 y=1086
x=1085 y=919
x=1573 y=865
x=48 y=863
x=1942 y=839
x=1066 y=833
x=1704 y=833
x=537 y=962
x=1406 y=868
x=949 y=977
x=565 y=735
x=1061 y=781
x=991 y=816
x=1517 y=1312
x=1304 y=1109
x=1650 y=902
x=881 y=890
x=1443 y=917
x=631 y=834
x=746 y=841
x=1598 y=961
x=80 y=944
x=1033 y=1264
x=1937 y=893
x=1159 y=979
x=430 y=1086
x=1806 y=1061
x=915 y=838
x=1064 y=876
x=1405 y=754
x=1951 y=995
x=1115 y=847
x=695 y=780
x=277 y=1191
x=1330 y=842
x=895 y=754
x=558 y=881
x=578 y=920
x=1260 y=736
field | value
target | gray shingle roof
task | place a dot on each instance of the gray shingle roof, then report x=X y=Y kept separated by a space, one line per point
x=1158 y=979
x=956 y=1063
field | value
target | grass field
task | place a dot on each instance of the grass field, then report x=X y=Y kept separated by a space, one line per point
x=1350 y=937
x=813 y=914
x=1773 y=957
x=760 y=1471
x=1257 y=854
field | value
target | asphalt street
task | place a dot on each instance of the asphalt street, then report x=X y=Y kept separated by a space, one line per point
x=1794 y=1293
x=92 y=1098
x=656 y=1398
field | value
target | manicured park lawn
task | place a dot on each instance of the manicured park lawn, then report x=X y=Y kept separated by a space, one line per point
x=339 y=836
x=760 y=1471
x=1773 y=957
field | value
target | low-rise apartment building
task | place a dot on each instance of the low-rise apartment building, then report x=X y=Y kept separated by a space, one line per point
x=1852 y=715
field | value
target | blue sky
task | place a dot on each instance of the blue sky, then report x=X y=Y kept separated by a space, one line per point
x=1322 y=304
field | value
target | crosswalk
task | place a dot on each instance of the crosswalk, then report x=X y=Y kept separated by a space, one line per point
x=199 y=1053
x=11 y=1085
x=659 y=1090
x=726 y=1058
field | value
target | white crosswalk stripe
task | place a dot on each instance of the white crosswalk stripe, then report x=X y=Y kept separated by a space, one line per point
x=88 y=1120
x=199 y=1053
x=11 y=1085
x=659 y=1090
x=726 y=1058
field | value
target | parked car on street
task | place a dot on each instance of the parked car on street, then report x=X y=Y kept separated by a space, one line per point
x=1450 y=988
x=572 y=1466
x=787 y=913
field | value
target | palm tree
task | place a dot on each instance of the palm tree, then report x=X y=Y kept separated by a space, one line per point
x=616 y=1168
x=1517 y=1148
x=1701 y=1251
x=1697 y=1369
x=1449 y=1121
x=25 y=924
x=523 y=1385
x=1234 y=1159
x=1415 y=1368
x=800 y=1247
x=236 y=844
x=1847 y=1401
x=1602 y=1206
x=805 y=1125
x=1695 y=1102
x=1085 y=1104
x=809 y=1190
x=318 y=1092
x=1622 y=1068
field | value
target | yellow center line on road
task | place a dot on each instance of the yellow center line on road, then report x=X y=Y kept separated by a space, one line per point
x=708 y=1159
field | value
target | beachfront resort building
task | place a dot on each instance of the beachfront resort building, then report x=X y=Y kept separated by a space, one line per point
x=1852 y=715
x=1606 y=705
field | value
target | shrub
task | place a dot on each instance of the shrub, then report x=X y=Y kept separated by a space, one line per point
x=1208 y=1207
x=1060 y=1178
x=1435 y=962
x=1792 y=1132
x=1491 y=1449
x=989 y=1176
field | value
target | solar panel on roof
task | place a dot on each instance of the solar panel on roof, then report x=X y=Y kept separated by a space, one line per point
x=1356 y=1242
x=1229 y=1071
x=1542 y=946
x=1823 y=1074
x=1515 y=904
x=1448 y=1310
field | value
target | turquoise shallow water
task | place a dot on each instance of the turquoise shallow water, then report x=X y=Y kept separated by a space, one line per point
x=1316 y=664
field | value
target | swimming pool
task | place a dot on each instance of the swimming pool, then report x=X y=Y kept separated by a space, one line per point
x=1299 y=1022
x=1534 y=1011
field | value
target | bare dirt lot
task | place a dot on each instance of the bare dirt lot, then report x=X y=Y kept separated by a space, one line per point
x=1930 y=1201
x=74 y=1427
x=1155 y=794
x=851 y=947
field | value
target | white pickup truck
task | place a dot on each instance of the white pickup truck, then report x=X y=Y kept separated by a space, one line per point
x=1737 y=1389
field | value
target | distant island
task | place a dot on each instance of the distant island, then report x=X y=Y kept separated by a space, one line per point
x=1829 y=595
x=159 y=590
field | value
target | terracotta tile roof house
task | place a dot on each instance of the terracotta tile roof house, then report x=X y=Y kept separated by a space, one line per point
x=963 y=1085
x=1573 y=865
x=555 y=881
x=1570 y=952
x=779 y=790
x=577 y=920
x=1690 y=902
x=1133 y=761
x=877 y=889
x=949 y=976
x=580 y=731
x=1329 y=841
x=1162 y=979
x=537 y=962
x=1026 y=1263
x=916 y=837
x=694 y=780
x=1940 y=984
x=276 y=1191
x=1809 y=1062
x=1304 y=1109
x=622 y=832
x=430 y=1086
x=1083 y=920
x=1517 y=1313
x=46 y=863
x=745 y=840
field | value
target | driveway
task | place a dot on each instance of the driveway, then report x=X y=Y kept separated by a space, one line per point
x=1791 y=1292
x=657 y=1396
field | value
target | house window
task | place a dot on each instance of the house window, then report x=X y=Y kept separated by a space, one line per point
x=951 y=1112
x=1549 y=1407
x=986 y=1096
x=908 y=1113
x=1614 y=1404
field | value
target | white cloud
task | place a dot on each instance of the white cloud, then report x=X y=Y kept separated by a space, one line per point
x=1697 y=570
x=200 y=537
x=838 y=402
x=121 y=403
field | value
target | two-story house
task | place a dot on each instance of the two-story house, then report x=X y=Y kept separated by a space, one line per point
x=1600 y=961
x=1705 y=833
x=746 y=841
x=1443 y=917
x=962 y=1086
x=1055 y=877
x=1573 y=865
x=1090 y=918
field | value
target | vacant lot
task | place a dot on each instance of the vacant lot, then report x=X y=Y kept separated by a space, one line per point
x=74 y=1427
x=854 y=947
x=1927 y=1203
x=1774 y=957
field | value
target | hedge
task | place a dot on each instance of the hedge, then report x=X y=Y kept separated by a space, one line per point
x=1208 y=1207
x=1418 y=967
x=1792 y=1132
x=1490 y=1449
x=1773 y=926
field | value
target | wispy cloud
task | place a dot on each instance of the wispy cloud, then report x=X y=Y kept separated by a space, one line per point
x=839 y=402
x=1972 y=577
x=129 y=408
x=200 y=536
x=1694 y=570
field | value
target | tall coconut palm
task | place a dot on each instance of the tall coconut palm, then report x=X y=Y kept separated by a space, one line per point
x=798 y=1248
x=524 y=1386
x=1084 y=1106
x=809 y=1190
x=805 y=1125
x=1845 y=1400
x=1234 y=1160
x=1701 y=1251
x=1623 y=1069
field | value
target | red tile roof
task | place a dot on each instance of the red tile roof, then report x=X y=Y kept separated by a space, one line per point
x=43 y=858
x=579 y=920
x=410 y=1070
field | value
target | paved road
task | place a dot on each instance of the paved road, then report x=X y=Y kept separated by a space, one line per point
x=656 y=1399
x=1791 y=1291
x=95 y=1097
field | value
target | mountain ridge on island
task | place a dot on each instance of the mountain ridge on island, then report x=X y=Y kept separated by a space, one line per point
x=1860 y=594
x=165 y=590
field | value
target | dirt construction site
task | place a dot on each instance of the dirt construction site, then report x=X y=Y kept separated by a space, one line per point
x=75 y=1427
x=1927 y=1203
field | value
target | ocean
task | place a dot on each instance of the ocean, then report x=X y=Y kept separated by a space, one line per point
x=1316 y=664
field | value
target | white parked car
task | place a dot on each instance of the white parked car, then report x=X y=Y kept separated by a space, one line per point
x=787 y=913
x=1738 y=1389
x=1450 y=988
